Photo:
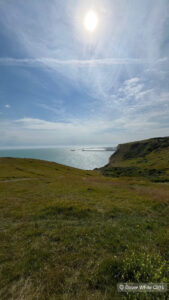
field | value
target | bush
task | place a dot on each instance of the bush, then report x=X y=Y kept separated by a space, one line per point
x=134 y=266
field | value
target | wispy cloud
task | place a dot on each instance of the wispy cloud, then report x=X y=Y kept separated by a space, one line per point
x=7 y=106
x=74 y=62
x=30 y=131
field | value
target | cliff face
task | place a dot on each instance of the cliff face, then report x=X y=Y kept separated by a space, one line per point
x=146 y=158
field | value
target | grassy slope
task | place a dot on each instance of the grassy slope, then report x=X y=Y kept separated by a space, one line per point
x=147 y=159
x=73 y=234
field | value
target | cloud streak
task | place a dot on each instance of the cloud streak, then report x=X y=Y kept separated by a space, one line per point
x=9 y=61
x=31 y=131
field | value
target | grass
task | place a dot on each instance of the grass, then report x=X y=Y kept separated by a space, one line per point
x=144 y=159
x=73 y=234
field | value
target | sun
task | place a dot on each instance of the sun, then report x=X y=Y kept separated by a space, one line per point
x=91 y=21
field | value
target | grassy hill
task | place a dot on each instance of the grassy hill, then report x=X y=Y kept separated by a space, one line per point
x=147 y=159
x=72 y=234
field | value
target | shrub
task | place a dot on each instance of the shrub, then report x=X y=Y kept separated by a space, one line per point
x=133 y=266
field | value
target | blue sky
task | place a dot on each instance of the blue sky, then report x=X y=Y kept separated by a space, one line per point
x=63 y=85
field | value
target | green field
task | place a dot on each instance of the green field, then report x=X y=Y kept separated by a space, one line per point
x=73 y=234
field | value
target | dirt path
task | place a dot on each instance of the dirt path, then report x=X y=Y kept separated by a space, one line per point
x=18 y=179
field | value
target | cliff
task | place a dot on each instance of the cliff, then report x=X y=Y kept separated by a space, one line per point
x=146 y=158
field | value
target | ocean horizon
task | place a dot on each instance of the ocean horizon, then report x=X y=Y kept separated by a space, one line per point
x=82 y=157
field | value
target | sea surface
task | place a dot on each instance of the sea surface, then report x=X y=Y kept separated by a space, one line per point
x=86 y=158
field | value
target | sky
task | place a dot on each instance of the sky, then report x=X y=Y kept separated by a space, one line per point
x=63 y=85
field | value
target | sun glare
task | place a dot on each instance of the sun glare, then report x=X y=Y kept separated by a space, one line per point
x=91 y=21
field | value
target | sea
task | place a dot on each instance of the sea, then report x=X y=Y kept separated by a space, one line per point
x=86 y=158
